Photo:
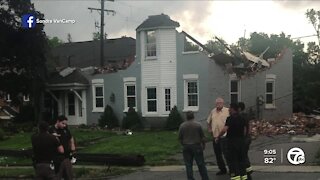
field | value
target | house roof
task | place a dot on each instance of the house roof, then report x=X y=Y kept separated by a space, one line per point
x=85 y=54
x=68 y=76
x=157 y=21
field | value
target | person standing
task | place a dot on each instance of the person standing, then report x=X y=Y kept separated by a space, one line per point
x=236 y=129
x=62 y=163
x=45 y=147
x=244 y=115
x=192 y=139
x=216 y=121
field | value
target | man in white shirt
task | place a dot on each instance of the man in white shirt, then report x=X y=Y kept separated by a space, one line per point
x=216 y=121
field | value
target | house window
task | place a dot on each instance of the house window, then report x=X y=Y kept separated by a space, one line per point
x=151 y=49
x=152 y=99
x=270 y=92
x=130 y=93
x=234 y=91
x=191 y=92
x=71 y=104
x=26 y=97
x=98 y=95
x=167 y=96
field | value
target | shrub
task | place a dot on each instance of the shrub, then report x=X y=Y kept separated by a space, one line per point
x=132 y=120
x=174 y=120
x=108 y=118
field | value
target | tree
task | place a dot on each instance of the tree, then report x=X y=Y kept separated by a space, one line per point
x=54 y=42
x=96 y=36
x=22 y=55
x=215 y=46
x=174 y=120
x=132 y=120
x=108 y=118
x=314 y=51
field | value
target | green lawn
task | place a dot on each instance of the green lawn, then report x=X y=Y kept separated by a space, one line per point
x=17 y=142
x=156 y=147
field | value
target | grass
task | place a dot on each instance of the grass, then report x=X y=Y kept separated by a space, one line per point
x=7 y=160
x=156 y=147
x=17 y=141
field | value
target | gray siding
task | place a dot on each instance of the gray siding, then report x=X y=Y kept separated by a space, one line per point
x=113 y=83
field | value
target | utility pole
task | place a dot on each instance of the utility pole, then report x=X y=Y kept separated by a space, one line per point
x=102 y=28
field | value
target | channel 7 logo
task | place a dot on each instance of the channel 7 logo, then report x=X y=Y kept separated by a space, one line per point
x=28 y=21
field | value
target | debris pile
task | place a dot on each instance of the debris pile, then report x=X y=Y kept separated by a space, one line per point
x=299 y=124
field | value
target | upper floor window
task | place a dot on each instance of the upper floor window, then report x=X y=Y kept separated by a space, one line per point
x=151 y=49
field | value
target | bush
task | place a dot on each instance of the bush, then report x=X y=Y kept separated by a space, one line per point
x=132 y=120
x=108 y=118
x=174 y=120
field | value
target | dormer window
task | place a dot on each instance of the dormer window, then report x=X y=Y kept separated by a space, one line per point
x=151 y=49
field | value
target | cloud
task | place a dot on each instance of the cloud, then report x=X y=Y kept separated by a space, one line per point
x=129 y=14
x=297 y=5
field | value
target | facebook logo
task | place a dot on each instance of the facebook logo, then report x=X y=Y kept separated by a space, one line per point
x=28 y=21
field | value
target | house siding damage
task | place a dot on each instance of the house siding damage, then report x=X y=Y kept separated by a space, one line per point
x=192 y=80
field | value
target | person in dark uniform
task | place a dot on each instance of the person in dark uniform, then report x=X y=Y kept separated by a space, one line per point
x=45 y=147
x=192 y=138
x=63 y=164
x=247 y=139
x=236 y=129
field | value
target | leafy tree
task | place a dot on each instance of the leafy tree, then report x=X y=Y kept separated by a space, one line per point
x=215 y=46
x=174 y=120
x=108 y=118
x=22 y=55
x=54 y=42
x=314 y=51
x=132 y=120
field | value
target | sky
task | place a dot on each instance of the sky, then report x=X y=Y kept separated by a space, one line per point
x=201 y=19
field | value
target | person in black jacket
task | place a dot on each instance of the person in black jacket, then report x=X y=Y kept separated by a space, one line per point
x=247 y=139
x=45 y=148
x=236 y=128
x=63 y=162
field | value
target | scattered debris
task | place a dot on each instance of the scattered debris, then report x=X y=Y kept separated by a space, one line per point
x=299 y=124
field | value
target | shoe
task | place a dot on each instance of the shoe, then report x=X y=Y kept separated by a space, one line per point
x=221 y=173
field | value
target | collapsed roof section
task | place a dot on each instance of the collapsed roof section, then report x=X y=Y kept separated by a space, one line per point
x=245 y=64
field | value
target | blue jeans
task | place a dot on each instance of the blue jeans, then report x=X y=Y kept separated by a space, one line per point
x=191 y=152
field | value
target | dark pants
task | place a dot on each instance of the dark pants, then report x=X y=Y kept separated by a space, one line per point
x=65 y=170
x=247 y=160
x=191 y=152
x=237 y=155
x=44 y=172
x=220 y=149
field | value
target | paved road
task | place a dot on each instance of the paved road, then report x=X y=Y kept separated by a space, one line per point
x=179 y=175
x=281 y=169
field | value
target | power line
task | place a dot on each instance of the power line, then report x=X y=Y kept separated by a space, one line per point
x=304 y=36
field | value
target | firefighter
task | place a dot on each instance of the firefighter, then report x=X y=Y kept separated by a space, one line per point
x=236 y=129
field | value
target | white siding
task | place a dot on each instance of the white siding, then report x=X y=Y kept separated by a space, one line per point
x=161 y=72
